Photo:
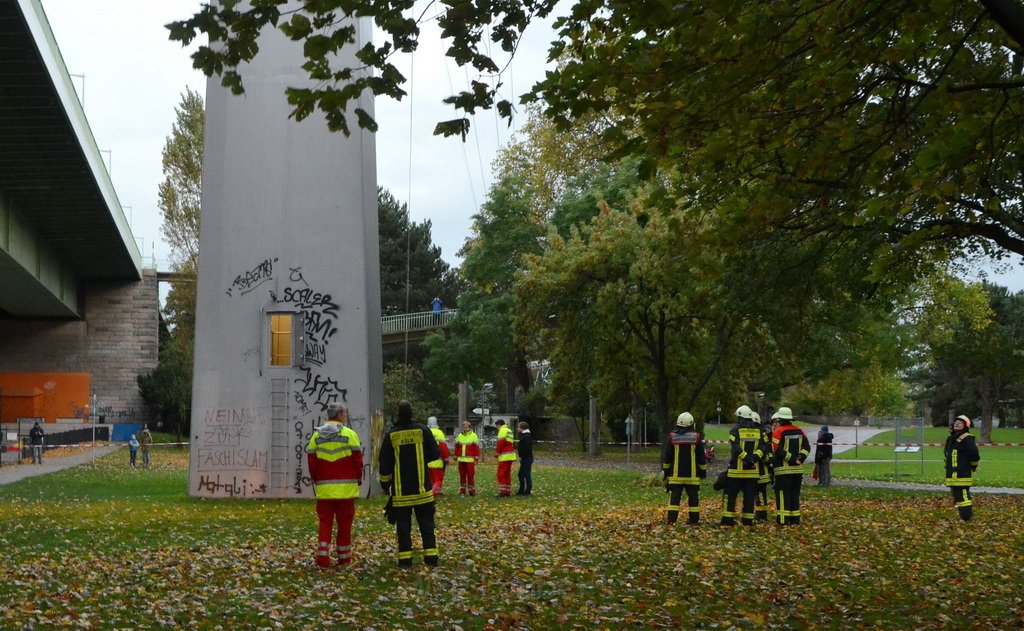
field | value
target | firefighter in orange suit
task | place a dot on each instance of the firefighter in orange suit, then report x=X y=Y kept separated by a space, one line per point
x=440 y=466
x=747 y=451
x=335 y=460
x=404 y=454
x=505 y=450
x=962 y=459
x=790 y=448
x=467 y=454
x=684 y=464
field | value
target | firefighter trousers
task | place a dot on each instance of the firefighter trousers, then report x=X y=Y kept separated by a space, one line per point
x=962 y=500
x=787 y=498
x=675 y=496
x=733 y=488
x=428 y=534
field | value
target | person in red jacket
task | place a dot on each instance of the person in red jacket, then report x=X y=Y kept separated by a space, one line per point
x=467 y=454
x=505 y=451
x=440 y=466
x=789 y=451
x=335 y=460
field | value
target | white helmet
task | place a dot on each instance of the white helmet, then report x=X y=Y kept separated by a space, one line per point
x=432 y=421
x=754 y=416
x=685 y=420
x=785 y=413
x=744 y=411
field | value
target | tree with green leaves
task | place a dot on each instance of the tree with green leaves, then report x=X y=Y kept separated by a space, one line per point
x=902 y=118
x=412 y=272
x=179 y=195
x=971 y=339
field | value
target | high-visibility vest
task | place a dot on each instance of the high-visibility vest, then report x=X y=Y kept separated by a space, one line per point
x=404 y=454
x=683 y=460
x=791 y=448
x=467 y=447
x=335 y=460
x=443 y=445
x=747 y=451
x=505 y=448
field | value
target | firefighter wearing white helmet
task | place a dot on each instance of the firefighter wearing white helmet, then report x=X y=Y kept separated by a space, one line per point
x=764 y=477
x=962 y=459
x=747 y=449
x=684 y=464
x=790 y=448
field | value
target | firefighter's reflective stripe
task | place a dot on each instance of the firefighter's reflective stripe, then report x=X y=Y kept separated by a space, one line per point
x=467 y=447
x=421 y=493
x=337 y=452
x=505 y=448
x=344 y=552
x=790 y=446
x=439 y=437
x=748 y=440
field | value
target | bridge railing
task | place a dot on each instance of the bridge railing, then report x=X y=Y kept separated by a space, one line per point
x=423 y=321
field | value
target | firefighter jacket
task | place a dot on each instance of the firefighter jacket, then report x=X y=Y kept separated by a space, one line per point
x=505 y=449
x=467 y=447
x=767 y=474
x=442 y=445
x=335 y=460
x=747 y=450
x=404 y=454
x=961 y=458
x=790 y=449
x=683 y=460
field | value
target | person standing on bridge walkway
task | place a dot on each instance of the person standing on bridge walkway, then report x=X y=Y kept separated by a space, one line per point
x=962 y=459
x=435 y=307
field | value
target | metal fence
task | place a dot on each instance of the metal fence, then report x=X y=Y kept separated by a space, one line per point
x=422 y=321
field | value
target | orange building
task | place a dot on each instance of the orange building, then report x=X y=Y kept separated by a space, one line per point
x=45 y=395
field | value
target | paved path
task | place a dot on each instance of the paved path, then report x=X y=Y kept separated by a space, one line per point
x=11 y=472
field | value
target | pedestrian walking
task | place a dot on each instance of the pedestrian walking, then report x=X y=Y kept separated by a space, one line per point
x=823 y=456
x=334 y=456
x=684 y=464
x=467 y=454
x=404 y=454
x=747 y=450
x=505 y=452
x=962 y=459
x=525 y=450
x=790 y=449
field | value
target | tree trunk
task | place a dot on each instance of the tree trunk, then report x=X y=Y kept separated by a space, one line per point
x=595 y=428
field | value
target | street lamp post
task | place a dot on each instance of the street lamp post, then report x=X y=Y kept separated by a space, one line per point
x=718 y=410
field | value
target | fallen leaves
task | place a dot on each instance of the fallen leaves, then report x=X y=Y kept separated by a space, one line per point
x=106 y=548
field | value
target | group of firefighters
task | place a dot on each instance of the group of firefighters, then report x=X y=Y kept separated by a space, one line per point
x=774 y=453
x=413 y=456
x=411 y=465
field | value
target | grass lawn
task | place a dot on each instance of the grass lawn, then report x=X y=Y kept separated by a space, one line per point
x=105 y=546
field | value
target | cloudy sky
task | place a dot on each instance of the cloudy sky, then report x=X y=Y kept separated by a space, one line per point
x=134 y=77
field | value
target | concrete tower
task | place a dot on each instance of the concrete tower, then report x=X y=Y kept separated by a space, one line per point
x=288 y=304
